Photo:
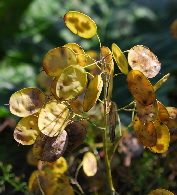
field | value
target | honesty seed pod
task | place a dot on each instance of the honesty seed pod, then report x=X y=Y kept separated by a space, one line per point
x=143 y=59
x=80 y=24
x=140 y=87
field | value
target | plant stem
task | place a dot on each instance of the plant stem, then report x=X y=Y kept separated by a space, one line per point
x=107 y=162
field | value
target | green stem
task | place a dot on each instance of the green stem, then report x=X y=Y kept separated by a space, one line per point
x=105 y=147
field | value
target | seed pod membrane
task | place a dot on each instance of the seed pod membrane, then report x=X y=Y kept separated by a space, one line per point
x=143 y=59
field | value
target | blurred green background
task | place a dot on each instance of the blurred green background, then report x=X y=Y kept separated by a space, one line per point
x=30 y=28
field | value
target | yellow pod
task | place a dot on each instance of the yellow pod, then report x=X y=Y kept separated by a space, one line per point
x=147 y=113
x=80 y=24
x=163 y=114
x=143 y=59
x=27 y=130
x=57 y=59
x=71 y=83
x=140 y=87
x=93 y=92
x=45 y=179
x=89 y=164
x=80 y=54
x=107 y=59
x=163 y=137
x=161 y=192
x=145 y=132
x=53 y=118
x=120 y=59
x=26 y=102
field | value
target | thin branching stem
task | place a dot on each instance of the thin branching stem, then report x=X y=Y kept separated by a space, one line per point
x=105 y=147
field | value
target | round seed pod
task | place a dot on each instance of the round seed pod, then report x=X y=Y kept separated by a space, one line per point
x=80 y=24
x=145 y=132
x=141 y=88
x=57 y=59
x=76 y=134
x=27 y=130
x=143 y=59
x=163 y=137
x=71 y=83
x=93 y=92
x=48 y=148
x=53 y=118
x=26 y=102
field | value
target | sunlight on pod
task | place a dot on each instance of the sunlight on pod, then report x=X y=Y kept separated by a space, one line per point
x=140 y=87
x=26 y=102
x=120 y=59
x=107 y=59
x=53 y=118
x=163 y=114
x=76 y=134
x=27 y=130
x=81 y=58
x=161 y=192
x=145 y=132
x=112 y=119
x=57 y=59
x=161 y=82
x=89 y=164
x=93 y=92
x=71 y=83
x=173 y=29
x=80 y=24
x=147 y=113
x=143 y=59
x=163 y=137
x=48 y=148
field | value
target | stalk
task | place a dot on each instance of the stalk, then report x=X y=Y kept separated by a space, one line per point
x=105 y=147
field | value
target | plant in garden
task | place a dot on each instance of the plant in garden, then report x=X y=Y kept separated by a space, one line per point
x=54 y=124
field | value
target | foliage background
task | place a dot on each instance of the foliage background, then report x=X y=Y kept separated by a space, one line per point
x=30 y=28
